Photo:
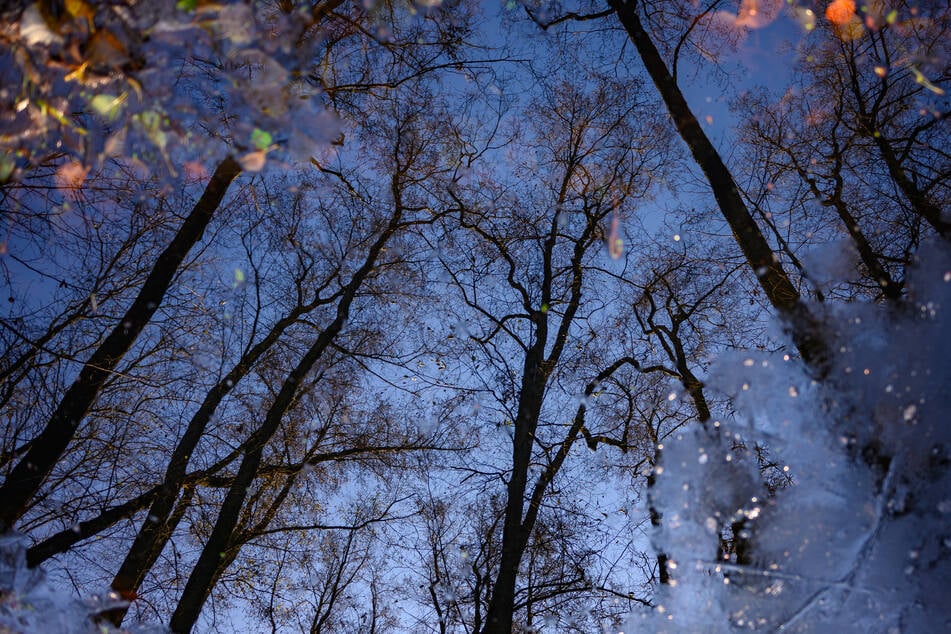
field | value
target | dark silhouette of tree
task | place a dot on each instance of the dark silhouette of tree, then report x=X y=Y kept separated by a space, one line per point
x=825 y=185
x=858 y=133
x=28 y=475
x=775 y=282
x=169 y=501
x=469 y=345
x=544 y=260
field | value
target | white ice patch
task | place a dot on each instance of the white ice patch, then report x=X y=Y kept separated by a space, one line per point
x=28 y=603
x=829 y=263
x=861 y=541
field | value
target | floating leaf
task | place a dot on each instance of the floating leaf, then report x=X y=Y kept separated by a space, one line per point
x=615 y=242
x=107 y=106
x=34 y=30
x=840 y=12
x=46 y=109
x=115 y=144
x=79 y=9
x=253 y=161
x=195 y=171
x=187 y=5
x=79 y=74
x=7 y=165
x=151 y=122
x=921 y=79
x=260 y=139
x=70 y=178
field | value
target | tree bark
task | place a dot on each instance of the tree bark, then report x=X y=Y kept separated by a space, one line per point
x=220 y=547
x=498 y=618
x=779 y=290
x=154 y=532
x=535 y=373
x=48 y=447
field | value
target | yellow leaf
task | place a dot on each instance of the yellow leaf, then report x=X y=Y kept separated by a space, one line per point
x=921 y=79
x=79 y=9
x=79 y=74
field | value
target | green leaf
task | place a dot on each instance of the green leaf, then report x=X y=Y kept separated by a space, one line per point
x=107 y=106
x=6 y=168
x=260 y=139
x=187 y=5
x=151 y=122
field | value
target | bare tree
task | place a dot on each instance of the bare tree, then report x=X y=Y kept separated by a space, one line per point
x=28 y=475
x=540 y=247
x=775 y=282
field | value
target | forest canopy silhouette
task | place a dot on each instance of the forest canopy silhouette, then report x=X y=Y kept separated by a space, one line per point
x=488 y=317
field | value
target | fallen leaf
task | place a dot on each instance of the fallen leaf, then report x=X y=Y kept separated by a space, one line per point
x=253 y=161
x=840 y=12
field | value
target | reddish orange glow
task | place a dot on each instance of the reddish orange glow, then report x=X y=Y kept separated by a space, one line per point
x=755 y=14
x=70 y=177
x=840 y=12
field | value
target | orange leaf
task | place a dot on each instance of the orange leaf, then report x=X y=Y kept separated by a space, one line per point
x=79 y=9
x=840 y=12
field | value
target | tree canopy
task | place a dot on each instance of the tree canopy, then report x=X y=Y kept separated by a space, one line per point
x=449 y=316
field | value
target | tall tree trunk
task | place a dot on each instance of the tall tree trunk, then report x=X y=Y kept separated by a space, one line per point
x=498 y=618
x=779 y=290
x=535 y=374
x=47 y=448
x=918 y=199
x=154 y=533
x=220 y=547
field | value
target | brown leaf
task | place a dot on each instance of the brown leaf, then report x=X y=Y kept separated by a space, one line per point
x=253 y=161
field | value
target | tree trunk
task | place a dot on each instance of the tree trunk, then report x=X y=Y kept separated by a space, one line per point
x=28 y=475
x=498 y=618
x=154 y=532
x=919 y=201
x=774 y=281
x=220 y=547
